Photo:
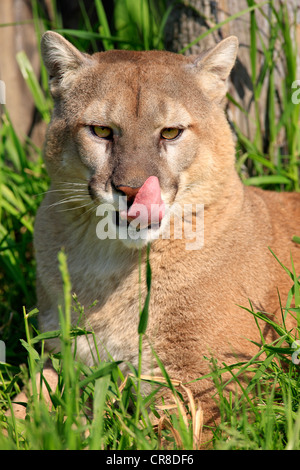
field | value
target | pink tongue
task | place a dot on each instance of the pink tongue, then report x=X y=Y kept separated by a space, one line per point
x=148 y=197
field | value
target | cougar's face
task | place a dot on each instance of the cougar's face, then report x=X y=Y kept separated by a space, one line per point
x=144 y=127
x=130 y=140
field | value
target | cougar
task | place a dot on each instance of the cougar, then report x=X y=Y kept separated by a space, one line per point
x=140 y=154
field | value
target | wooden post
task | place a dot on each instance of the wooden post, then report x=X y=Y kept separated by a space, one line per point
x=195 y=17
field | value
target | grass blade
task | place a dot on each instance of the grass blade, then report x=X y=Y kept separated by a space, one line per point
x=34 y=86
x=104 y=26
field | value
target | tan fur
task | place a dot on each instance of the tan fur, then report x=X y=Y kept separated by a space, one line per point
x=195 y=296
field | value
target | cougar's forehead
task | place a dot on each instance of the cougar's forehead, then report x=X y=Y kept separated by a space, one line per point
x=127 y=93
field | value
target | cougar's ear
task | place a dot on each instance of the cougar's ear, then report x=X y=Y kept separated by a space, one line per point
x=61 y=60
x=214 y=66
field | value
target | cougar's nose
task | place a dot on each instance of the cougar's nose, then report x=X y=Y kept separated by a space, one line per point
x=144 y=202
x=129 y=192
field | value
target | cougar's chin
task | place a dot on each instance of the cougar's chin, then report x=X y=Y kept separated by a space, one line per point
x=131 y=233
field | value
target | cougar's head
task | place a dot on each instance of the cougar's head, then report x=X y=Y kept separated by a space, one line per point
x=139 y=131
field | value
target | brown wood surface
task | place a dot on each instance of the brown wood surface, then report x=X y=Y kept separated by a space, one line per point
x=13 y=39
x=192 y=19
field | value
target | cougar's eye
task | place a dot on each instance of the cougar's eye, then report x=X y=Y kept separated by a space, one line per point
x=170 y=133
x=102 y=131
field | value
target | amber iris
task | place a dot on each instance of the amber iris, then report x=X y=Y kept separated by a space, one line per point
x=102 y=131
x=170 y=133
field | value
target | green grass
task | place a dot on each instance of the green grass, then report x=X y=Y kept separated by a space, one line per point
x=264 y=413
x=122 y=418
x=272 y=159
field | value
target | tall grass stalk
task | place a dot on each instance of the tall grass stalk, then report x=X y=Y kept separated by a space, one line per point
x=104 y=25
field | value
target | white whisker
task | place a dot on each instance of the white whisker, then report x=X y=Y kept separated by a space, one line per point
x=73 y=183
x=78 y=207
x=74 y=194
x=65 y=189
x=67 y=200
x=78 y=190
